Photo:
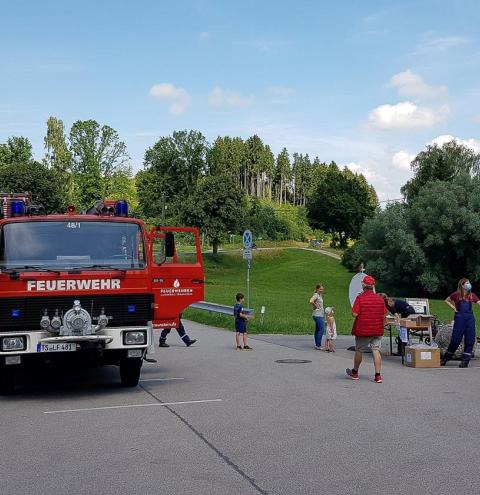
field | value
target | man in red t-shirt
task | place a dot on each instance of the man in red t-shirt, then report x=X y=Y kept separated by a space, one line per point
x=369 y=311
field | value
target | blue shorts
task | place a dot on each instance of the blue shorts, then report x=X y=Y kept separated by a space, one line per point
x=240 y=327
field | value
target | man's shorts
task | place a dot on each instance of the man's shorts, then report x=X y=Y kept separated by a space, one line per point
x=240 y=328
x=365 y=344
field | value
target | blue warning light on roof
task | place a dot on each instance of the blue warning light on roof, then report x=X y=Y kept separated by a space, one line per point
x=121 y=208
x=17 y=208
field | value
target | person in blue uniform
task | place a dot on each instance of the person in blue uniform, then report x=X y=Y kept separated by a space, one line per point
x=461 y=301
x=398 y=307
x=181 y=332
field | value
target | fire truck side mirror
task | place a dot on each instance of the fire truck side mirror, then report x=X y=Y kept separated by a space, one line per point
x=169 y=244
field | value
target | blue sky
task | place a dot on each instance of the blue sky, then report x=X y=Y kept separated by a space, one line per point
x=367 y=84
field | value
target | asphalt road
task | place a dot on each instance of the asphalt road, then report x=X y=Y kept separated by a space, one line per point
x=213 y=420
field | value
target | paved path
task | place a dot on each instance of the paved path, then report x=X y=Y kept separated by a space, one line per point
x=212 y=420
x=323 y=251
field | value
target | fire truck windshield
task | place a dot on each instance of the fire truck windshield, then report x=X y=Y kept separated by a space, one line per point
x=72 y=245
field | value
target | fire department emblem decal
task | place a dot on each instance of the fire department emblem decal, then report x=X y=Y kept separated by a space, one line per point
x=176 y=290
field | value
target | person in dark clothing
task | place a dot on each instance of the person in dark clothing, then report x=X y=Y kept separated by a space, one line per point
x=461 y=302
x=241 y=320
x=181 y=332
x=398 y=307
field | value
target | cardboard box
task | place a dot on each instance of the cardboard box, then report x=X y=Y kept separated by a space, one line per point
x=422 y=357
x=416 y=321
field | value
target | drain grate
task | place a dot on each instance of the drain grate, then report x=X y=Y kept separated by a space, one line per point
x=293 y=361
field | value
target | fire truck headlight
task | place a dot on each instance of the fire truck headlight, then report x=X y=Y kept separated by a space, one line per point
x=135 y=338
x=56 y=323
x=13 y=343
x=45 y=323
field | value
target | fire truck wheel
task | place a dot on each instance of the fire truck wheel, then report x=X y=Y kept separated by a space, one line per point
x=130 y=371
x=7 y=381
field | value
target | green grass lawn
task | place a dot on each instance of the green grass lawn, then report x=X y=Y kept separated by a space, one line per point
x=283 y=281
x=261 y=243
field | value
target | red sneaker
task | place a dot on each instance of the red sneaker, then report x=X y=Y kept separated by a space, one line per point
x=353 y=375
x=378 y=379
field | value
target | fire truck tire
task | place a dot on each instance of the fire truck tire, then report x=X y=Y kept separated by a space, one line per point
x=7 y=382
x=130 y=371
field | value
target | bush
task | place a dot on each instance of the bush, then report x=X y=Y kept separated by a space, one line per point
x=36 y=178
x=351 y=258
x=271 y=220
x=428 y=245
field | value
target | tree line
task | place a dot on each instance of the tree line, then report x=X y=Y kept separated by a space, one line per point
x=89 y=163
x=427 y=242
x=220 y=187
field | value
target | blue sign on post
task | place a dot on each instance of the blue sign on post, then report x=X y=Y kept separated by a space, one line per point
x=247 y=239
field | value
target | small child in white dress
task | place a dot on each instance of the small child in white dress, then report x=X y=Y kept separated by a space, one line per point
x=330 y=329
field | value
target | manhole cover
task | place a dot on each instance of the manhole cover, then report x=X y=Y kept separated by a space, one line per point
x=293 y=361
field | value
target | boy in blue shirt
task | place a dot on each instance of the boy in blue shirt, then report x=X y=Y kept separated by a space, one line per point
x=240 y=322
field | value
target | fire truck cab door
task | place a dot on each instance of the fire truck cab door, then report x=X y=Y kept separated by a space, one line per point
x=177 y=272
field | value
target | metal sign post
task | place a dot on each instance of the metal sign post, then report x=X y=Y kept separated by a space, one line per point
x=248 y=282
x=247 y=255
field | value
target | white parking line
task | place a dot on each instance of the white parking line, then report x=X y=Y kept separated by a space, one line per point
x=160 y=379
x=132 y=405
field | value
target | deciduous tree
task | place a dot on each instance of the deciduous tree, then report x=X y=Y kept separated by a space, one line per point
x=17 y=150
x=216 y=207
x=58 y=157
x=98 y=155
x=441 y=163
x=340 y=203
x=427 y=245
x=36 y=178
x=227 y=156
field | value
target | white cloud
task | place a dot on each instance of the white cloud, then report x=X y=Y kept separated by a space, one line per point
x=167 y=91
x=406 y=115
x=178 y=109
x=402 y=160
x=440 y=44
x=178 y=97
x=472 y=143
x=219 y=97
x=413 y=85
x=282 y=91
x=358 y=168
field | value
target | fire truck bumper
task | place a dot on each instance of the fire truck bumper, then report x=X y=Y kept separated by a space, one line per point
x=84 y=338
x=107 y=347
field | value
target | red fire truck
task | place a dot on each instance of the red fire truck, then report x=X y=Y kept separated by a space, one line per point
x=88 y=288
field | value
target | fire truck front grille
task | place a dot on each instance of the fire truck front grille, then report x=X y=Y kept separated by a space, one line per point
x=21 y=314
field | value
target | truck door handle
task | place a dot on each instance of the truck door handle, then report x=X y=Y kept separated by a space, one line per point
x=198 y=281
